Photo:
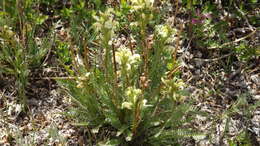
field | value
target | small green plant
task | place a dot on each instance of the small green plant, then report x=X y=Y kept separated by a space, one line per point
x=241 y=139
x=13 y=62
x=211 y=34
x=246 y=51
x=63 y=52
x=55 y=136
x=135 y=92
x=20 y=50
x=208 y=34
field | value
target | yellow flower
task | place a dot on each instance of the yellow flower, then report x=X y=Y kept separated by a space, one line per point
x=132 y=93
x=79 y=84
x=127 y=105
x=124 y=57
x=134 y=59
x=162 y=30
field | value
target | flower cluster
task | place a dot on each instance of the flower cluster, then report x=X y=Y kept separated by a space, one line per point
x=81 y=79
x=140 y=4
x=105 y=23
x=133 y=94
x=162 y=30
x=172 y=86
x=126 y=59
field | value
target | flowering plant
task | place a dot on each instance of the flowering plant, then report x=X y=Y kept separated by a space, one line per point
x=130 y=89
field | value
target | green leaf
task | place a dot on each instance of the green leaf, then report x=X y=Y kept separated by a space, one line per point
x=110 y=142
x=253 y=1
x=122 y=130
x=41 y=18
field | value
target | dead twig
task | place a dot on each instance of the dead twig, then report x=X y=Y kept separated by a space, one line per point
x=235 y=41
x=242 y=38
x=240 y=70
x=214 y=59
x=56 y=78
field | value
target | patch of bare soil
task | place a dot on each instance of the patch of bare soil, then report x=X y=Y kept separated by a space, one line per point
x=44 y=124
x=225 y=92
